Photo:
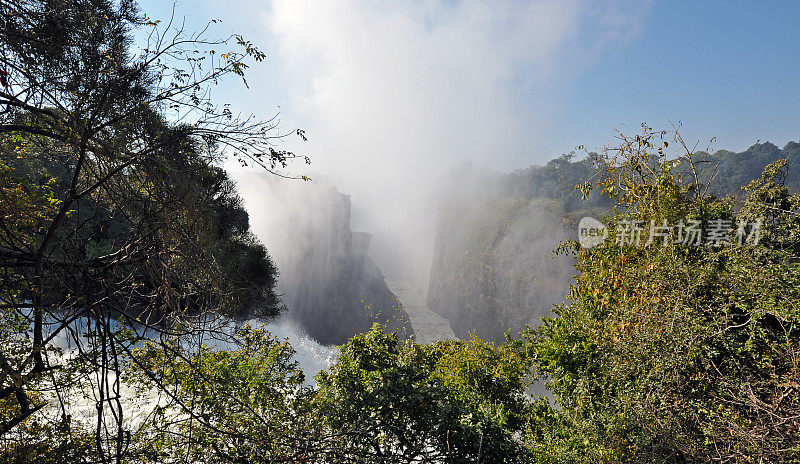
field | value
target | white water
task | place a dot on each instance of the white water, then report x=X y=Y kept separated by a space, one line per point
x=311 y=356
x=138 y=404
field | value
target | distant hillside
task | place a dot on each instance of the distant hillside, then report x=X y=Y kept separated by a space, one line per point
x=494 y=267
x=735 y=170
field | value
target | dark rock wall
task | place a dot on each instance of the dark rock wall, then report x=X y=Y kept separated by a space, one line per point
x=330 y=285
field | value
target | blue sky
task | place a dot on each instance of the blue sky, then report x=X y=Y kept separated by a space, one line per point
x=727 y=69
x=393 y=94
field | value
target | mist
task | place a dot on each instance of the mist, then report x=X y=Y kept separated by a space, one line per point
x=394 y=96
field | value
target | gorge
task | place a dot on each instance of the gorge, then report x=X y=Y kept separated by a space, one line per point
x=494 y=268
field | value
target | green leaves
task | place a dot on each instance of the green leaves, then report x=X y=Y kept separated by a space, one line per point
x=248 y=403
x=446 y=402
x=675 y=353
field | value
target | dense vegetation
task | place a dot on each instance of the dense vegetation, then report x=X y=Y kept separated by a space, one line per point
x=113 y=208
x=493 y=267
x=125 y=250
x=678 y=353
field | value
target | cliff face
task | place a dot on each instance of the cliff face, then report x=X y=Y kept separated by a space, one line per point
x=330 y=286
x=494 y=267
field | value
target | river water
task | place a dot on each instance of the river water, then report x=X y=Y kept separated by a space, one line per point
x=312 y=356
x=428 y=326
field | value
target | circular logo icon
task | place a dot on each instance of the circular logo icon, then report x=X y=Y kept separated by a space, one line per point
x=591 y=232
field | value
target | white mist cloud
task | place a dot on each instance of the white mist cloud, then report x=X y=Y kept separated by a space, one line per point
x=393 y=94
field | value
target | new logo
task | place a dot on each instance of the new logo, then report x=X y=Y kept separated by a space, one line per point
x=591 y=232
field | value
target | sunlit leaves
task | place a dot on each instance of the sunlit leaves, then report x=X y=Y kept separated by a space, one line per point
x=671 y=353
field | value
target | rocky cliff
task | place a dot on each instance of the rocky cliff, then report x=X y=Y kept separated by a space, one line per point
x=330 y=286
x=494 y=265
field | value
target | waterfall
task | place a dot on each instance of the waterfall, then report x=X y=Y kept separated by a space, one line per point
x=312 y=356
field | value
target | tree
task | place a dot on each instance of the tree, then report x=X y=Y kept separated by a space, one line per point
x=114 y=213
x=244 y=404
x=452 y=401
x=669 y=352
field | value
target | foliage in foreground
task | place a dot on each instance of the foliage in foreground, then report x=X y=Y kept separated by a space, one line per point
x=384 y=401
x=663 y=353
x=451 y=401
x=676 y=353
x=239 y=405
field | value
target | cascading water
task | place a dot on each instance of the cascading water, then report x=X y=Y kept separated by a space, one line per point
x=312 y=356
x=139 y=404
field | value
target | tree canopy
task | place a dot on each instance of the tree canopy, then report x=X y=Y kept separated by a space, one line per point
x=115 y=212
x=671 y=352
